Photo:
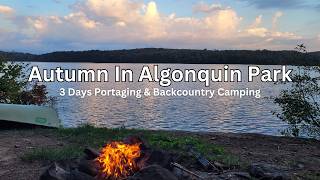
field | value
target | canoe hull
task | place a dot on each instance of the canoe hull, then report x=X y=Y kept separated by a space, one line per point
x=29 y=114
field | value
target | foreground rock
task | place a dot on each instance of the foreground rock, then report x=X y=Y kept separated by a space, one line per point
x=154 y=172
x=57 y=172
x=267 y=171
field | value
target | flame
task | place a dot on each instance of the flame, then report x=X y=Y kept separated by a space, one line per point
x=117 y=160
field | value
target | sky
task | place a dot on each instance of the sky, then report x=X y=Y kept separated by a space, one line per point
x=62 y=25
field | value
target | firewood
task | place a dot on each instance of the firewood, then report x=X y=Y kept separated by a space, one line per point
x=203 y=161
x=179 y=166
x=91 y=153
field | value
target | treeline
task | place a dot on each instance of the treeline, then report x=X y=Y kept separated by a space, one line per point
x=184 y=56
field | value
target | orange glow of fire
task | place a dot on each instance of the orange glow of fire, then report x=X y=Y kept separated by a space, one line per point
x=117 y=160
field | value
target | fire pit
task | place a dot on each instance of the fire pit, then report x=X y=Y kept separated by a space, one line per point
x=129 y=159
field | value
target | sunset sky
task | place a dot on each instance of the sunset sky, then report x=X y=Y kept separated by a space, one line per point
x=54 y=25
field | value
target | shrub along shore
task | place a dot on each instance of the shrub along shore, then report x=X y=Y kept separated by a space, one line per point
x=26 y=153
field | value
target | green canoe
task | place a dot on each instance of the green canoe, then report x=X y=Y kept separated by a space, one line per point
x=29 y=114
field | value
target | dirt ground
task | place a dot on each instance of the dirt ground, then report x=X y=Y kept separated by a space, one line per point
x=301 y=156
x=13 y=144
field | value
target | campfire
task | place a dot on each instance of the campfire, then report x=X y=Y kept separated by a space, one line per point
x=130 y=159
x=117 y=160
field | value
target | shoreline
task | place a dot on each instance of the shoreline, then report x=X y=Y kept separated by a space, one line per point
x=20 y=157
x=168 y=56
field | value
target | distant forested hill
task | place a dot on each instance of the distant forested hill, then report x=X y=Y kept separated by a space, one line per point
x=153 y=55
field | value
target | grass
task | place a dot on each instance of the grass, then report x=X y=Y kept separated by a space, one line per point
x=87 y=136
x=56 y=154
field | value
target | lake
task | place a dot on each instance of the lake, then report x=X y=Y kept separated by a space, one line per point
x=218 y=114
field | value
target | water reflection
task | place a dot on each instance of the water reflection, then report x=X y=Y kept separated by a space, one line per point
x=227 y=114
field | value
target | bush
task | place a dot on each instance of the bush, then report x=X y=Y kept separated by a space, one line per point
x=14 y=87
x=300 y=104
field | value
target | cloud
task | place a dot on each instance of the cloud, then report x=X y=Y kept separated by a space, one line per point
x=134 y=21
x=111 y=10
x=6 y=10
x=257 y=21
x=283 y=4
x=275 y=19
x=206 y=8
x=270 y=34
x=114 y=24
x=258 y=31
x=255 y=30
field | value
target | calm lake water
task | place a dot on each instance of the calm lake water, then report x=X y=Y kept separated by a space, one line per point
x=223 y=114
